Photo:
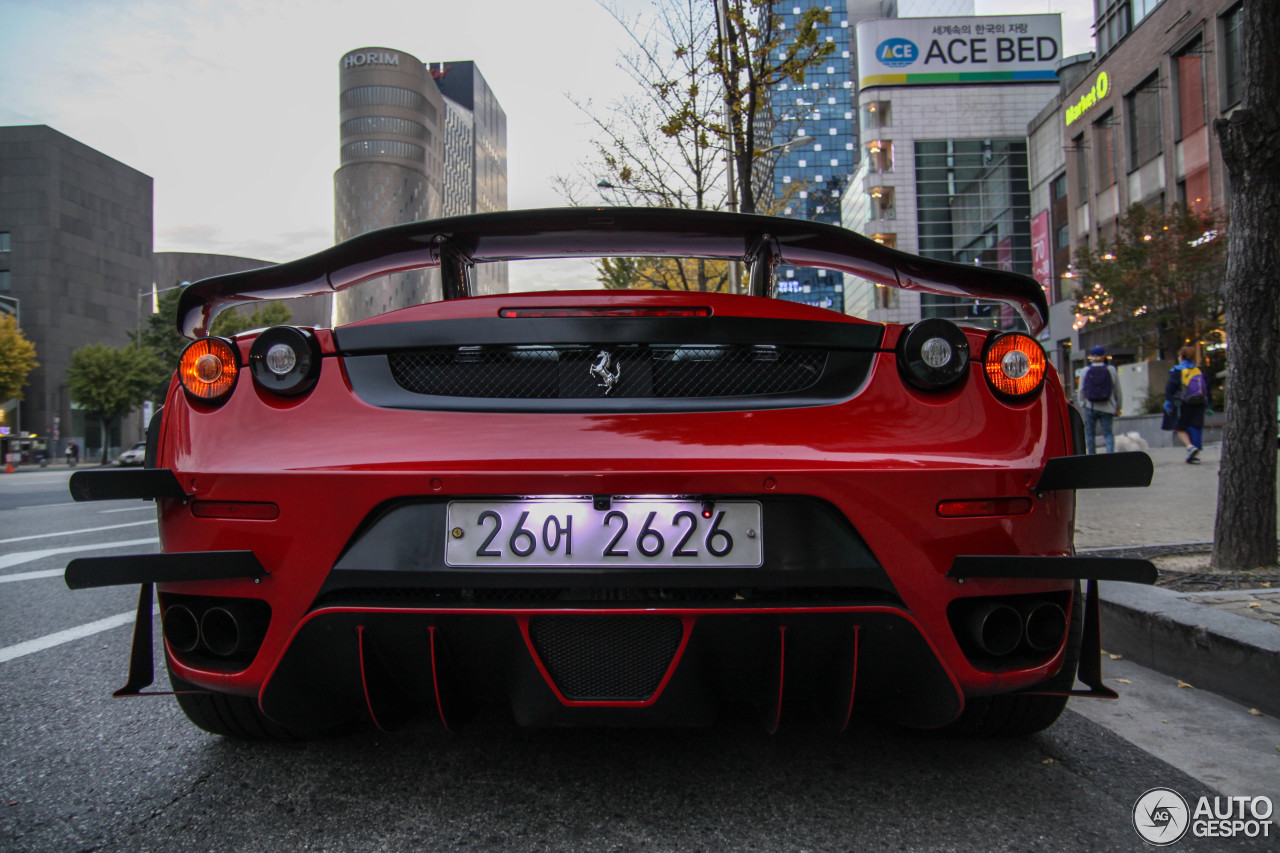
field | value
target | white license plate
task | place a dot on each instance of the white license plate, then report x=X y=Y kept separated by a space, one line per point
x=573 y=533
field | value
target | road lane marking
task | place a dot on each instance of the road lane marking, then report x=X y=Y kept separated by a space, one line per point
x=48 y=641
x=16 y=559
x=30 y=476
x=148 y=508
x=30 y=576
x=74 y=532
x=45 y=506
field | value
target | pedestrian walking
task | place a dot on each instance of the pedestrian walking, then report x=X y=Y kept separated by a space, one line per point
x=1186 y=397
x=1100 y=399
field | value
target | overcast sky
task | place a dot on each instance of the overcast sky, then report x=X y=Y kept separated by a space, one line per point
x=232 y=105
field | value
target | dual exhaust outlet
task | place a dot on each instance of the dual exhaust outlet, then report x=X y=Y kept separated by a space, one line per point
x=218 y=631
x=1000 y=629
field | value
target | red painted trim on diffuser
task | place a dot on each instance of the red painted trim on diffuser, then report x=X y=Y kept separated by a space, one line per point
x=364 y=680
x=435 y=679
x=853 y=681
x=686 y=624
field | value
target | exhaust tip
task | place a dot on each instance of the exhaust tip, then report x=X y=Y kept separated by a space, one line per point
x=220 y=631
x=996 y=629
x=181 y=628
x=1046 y=625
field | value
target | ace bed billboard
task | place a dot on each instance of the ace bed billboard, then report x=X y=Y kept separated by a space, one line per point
x=968 y=49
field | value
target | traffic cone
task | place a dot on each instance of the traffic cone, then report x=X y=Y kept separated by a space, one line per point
x=8 y=467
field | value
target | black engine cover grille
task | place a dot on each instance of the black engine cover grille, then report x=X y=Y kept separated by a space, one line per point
x=601 y=365
x=626 y=371
x=606 y=658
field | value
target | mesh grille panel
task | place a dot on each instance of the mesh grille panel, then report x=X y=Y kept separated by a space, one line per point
x=619 y=658
x=587 y=372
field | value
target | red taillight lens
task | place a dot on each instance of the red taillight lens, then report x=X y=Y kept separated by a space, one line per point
x=1015 y=365
x=984 y=508
x=208 y=369
x=604 y=312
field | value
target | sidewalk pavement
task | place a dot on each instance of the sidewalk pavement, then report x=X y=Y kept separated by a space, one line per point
x=1215 y=631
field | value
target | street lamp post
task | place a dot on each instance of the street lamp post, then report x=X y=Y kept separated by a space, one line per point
x=154 y=294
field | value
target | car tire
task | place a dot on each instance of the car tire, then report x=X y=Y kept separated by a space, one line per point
x=1019 y=714
x=229 y=715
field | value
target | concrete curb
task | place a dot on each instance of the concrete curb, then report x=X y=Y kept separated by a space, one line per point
x=1232 y=655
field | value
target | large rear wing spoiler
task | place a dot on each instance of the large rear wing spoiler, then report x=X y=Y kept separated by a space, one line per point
x=457 y=243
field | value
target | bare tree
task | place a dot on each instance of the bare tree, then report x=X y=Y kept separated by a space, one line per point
x=659 y=146
x=1245 y=531
x=665 y=144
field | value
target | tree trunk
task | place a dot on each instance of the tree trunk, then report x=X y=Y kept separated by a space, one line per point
x=1244 y=535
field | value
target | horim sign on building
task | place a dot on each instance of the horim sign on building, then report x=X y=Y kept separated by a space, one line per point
x=964 y=49
x=361 y=58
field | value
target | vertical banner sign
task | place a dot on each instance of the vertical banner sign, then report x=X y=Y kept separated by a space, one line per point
x=1004 y=254
x=959 y=50
x=1041 y=254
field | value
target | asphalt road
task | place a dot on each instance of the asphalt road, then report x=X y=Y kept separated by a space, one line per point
x=82 y=771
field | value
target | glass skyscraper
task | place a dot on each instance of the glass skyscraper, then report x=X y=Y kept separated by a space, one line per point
x=809 y=177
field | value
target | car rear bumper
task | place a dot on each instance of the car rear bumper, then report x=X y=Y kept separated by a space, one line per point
x=351 y=577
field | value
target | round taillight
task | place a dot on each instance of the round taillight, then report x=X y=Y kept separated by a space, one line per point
x=933 y=354
x=285 y=360
x=1015 y=365
x=208 y=369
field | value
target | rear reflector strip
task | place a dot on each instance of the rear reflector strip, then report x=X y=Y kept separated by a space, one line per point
x=603 y=312
x=235 y=509
x=984 y=508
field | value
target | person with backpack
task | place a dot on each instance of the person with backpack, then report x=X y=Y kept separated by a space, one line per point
x=1099 y=399
x=1186 y=396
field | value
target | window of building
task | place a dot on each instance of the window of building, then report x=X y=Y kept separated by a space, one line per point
x=388 y=96
x=973 y=204
x=886 y=297
x=1062 y=237
x=367 y=149
x=4 y=241
x=1142 y=8
x=1113 y=20
x=1058 y=187
x=1104 y=166
x=881 y=153
x=1142 y=119
x=1189 y=65
x=1232 y=57
x=385 y=124
x=4 y=281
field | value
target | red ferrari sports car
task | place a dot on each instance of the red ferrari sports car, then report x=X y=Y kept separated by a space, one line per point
x=615 y=507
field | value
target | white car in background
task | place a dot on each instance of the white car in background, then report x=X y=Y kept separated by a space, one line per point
x=133 y=456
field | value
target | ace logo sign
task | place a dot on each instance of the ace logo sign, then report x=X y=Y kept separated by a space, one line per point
x=1162 y=817
x=897 y=53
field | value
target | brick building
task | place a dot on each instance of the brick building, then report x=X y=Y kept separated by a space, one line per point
x=1131 y=124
